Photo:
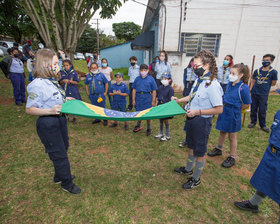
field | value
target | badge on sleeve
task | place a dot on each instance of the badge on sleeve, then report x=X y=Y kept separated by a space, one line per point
x=32 y=96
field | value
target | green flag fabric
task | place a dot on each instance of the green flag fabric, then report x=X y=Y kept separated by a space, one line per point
x=83 y=109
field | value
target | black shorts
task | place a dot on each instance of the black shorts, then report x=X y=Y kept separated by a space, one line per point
x=197 y=134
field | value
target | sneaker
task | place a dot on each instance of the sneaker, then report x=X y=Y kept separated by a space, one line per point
x=96 y=121
x=73 y=190
x=165 y=138
x=215 y=152
x=229 y=162
x=158 y=136
x=105 y=123
x=182 y=144
x=191 y=183
x=246 y=205
x=265 y=129
x=126 y=127
x=113 y=125
x=149 y=132
x=137 y=128
x=59 y=182
x=182 y=170
x=251 y=125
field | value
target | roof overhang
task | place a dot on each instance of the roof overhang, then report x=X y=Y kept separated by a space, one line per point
x=143 y=41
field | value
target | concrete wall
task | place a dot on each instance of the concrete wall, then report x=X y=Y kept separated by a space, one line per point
x=118 y=56
x=245 y=31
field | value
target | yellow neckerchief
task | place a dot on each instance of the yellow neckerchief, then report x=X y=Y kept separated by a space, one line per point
x=224 y=72
x=259 y=81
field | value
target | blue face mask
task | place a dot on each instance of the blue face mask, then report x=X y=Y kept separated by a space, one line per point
x=157 y=60
x=225 y=63
x=104 y=64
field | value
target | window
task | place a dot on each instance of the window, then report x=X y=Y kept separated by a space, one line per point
x=191 y=43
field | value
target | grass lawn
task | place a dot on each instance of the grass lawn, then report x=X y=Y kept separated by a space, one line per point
x=124 y=177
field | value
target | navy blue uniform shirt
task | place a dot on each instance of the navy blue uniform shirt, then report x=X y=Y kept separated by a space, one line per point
x=164 y=94
x=263 y=81
x=96 y=83
x=274 y=138
x=121 y=87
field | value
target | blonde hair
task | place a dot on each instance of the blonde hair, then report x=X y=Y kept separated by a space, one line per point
x=44 y=58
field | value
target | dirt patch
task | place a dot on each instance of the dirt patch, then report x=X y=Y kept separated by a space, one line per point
x=242 y=172
x=216 y=159
x=99 y=150
x=243 y=187
x=4 y=81
x=6 y=101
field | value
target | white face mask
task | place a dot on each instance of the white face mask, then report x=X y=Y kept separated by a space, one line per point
x=162 y=58
x=232 y=78
x=164 y=82
x=94 y=72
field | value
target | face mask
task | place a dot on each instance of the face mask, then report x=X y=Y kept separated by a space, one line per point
x=225 y=63
x=192 y=64
x=164 y=82
x=232 y=78
x=162 y=58
x=143 y=74
x=132 y=63
x=118 y=82
x=16 y=55
x=55 y=69
x=265 y=63
x=94 y=72
x=199 y=71
x=95 y=57
x=104 y=65
x=157 y=60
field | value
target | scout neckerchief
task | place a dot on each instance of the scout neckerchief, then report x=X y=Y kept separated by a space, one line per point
x=93 y=81
x=224 y=72
x=260 y=81
x=191 y=77
x=199 y=80
x=67 y=74
x=60 y=89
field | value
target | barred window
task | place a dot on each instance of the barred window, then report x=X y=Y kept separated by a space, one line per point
x=191 y=43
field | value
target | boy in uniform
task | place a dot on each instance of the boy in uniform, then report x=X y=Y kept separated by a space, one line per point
x=144 y=95
x=96 y=88
x=263 y=79
x=119 y=91
x=133 y=72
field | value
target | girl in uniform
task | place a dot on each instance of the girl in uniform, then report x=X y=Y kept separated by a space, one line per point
x=69 y=80
x=189 y=78
x=204 y=101
x=237 y=97
x=224 y=71
x=163 y=66
x=45 y=97
x=164 y=94
x=108 y=72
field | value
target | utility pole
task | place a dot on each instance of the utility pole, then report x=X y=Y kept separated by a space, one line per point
x=97 y=34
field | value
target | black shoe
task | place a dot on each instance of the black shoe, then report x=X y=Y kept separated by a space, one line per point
x=96 y=121
x=182 y=170
x=19 y=104
x=113 y=125
x=182 y=144
x=229 y=162
x=246 y=205
x=137 y=128
x=265 y=129
x=74 y=120
x=215 y=152
x=73 y=190
x=251 y=125
x=126 y=127
x=149 y=132
x=105 y=123
x=191 y=183
x=59 y=182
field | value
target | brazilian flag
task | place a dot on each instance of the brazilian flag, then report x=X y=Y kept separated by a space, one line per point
x=83 y=109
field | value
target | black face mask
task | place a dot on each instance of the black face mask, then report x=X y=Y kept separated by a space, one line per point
x=266 y=63
x=199 y=71
x=132 y=63
x=16 y=55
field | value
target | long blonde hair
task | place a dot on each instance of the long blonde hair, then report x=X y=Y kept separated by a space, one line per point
x=43 y=63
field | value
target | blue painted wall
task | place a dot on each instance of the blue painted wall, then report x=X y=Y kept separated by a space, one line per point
x=118 y=56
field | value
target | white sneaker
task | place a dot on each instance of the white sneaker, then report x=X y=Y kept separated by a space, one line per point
x=164 y=138
x=159 y=136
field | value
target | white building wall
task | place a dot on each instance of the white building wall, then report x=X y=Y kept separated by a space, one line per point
x=246 y=30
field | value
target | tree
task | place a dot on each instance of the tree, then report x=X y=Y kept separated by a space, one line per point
x=14 y=22
x=61 y=23
x=88 y=41
x=126 y=30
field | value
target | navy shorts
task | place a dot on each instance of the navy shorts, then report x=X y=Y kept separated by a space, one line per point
x=197 y=134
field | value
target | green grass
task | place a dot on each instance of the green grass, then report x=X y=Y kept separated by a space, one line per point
x=81 y=65
x=125 y=177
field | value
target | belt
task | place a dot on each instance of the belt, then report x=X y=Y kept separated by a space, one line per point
x=144 y=92
x=55 y=115
x=190 y=118
x=274 y=149
x=95 y=94
x=230 y=105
